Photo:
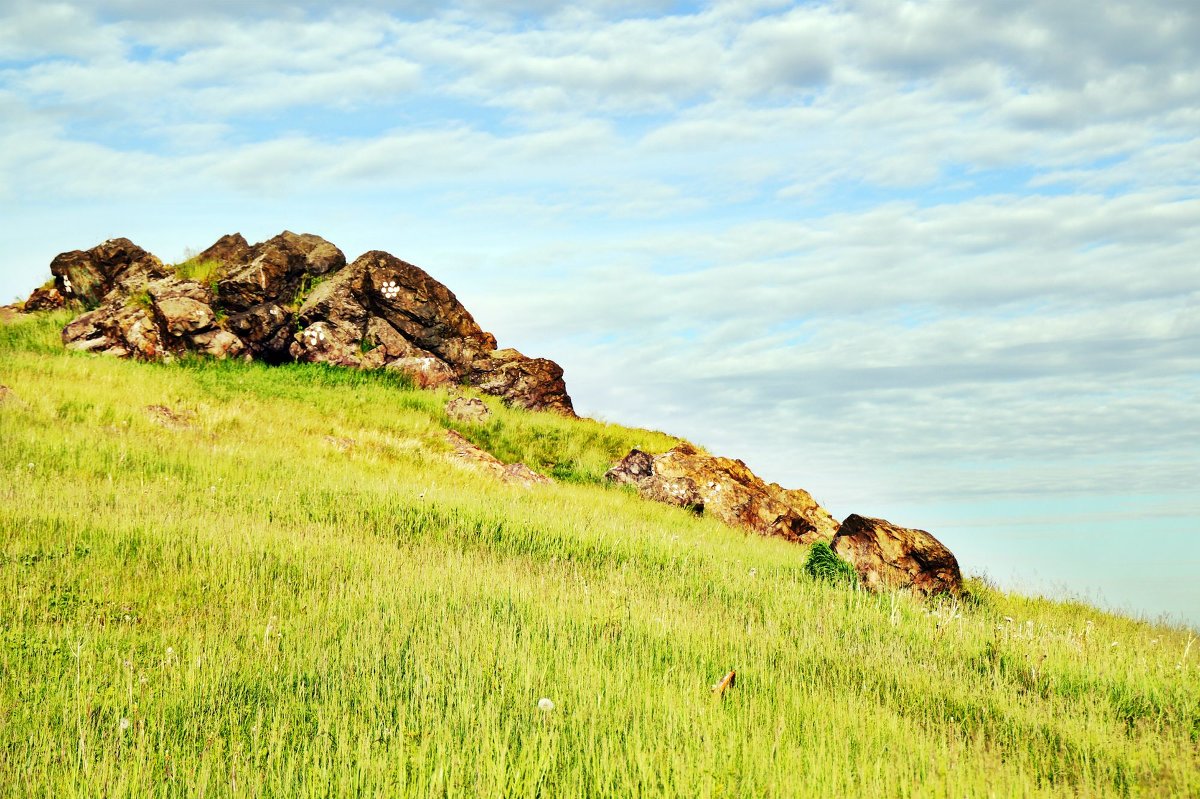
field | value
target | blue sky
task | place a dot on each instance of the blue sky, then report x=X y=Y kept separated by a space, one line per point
x=933 y=261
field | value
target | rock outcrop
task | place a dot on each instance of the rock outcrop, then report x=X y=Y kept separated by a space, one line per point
x=291 y=298
x=887 y=556
x=728 y=490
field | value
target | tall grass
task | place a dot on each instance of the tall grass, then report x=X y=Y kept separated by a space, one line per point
x=286 y=588
x=205 y=271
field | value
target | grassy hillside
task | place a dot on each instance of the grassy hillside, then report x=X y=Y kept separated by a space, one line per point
x=281 y=586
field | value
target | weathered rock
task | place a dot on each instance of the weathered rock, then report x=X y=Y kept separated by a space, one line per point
x=887 y=556
x=422 y=310
x=117 y=328
x=535 y=384
x=803 y=503
x=267 y=331
x=726 y=489
x=293 y=297
x=181 y=306
x=467 y=409
x=275 y=270
x=516 y=473
x=230 y=249
x=89 y=275
x=425 y=372
x=44 y=299
x=634 y=469
x=219 y=344
x=322 y=343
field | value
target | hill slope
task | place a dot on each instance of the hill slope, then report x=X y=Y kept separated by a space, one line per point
x=232 y=579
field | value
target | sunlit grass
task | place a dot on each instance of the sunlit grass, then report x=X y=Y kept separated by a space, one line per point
x=201 y=270
x=292 y=590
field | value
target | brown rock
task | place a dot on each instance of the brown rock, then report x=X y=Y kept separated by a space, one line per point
x=181 y=306
x=515 y=473
x=266 y=331
x=887 y=556
x=803 y=503
x=382 y=336
x=422 y=310
x=467 y=409
x=230 y=249
x=323 y=343
x=44 y=299
x=116 y=328
x=277 y=270
x=219 y=344
x=726 y=489
x=535 y=384
x=89 y=275
x=425 y=372
x=637 y=469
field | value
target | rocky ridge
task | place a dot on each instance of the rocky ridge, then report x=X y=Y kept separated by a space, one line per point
x=884 y=555
x=295 y=298
x=290 y=298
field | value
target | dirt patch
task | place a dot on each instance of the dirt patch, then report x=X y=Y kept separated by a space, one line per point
x=177 y=420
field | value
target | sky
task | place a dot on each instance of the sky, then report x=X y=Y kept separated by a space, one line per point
x=937 y=262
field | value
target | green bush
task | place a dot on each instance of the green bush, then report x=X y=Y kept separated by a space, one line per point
x=824 y=564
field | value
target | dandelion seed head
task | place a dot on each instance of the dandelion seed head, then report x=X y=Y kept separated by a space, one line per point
x=124 y=724
x=545 y=705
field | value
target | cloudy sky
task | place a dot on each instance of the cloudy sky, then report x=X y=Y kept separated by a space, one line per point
x=933 y=261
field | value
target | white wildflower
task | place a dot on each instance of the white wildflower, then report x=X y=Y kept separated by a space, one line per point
x=545 y=705
x=124 y=724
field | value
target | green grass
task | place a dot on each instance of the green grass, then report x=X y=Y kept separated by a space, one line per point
x=202 y=271
x=294 y=591
x=823 y=563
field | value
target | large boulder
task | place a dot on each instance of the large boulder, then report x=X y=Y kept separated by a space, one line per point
x=886 y=556
x=535 y=384
x=726 y=489
x=89 y=275
x=276 y=270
